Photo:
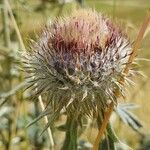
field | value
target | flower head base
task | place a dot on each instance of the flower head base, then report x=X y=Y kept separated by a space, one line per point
x=77 y=62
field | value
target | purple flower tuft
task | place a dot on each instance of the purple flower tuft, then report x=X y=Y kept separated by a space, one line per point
x=77 y=62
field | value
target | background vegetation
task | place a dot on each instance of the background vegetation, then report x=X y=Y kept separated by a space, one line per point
x=16 y=109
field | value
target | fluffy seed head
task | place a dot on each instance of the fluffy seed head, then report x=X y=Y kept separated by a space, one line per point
x=77 y=62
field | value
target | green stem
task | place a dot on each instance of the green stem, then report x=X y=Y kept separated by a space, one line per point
x=111 y=133
x=110 y=137
x=70 y=142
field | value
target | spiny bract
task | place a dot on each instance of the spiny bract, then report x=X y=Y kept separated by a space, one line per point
x=77 y=62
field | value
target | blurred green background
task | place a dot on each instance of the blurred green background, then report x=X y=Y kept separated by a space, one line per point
x=16 y=110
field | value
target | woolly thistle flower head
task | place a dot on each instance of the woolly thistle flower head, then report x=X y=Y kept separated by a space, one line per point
x=77 y=62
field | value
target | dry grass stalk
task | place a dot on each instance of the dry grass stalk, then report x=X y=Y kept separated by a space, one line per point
x=131 y=58
x=23 y=48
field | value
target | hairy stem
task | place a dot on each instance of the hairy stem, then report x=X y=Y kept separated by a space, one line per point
x=103 y=126
x=70 y=142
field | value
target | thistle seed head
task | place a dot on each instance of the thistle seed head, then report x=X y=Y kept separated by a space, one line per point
x=77 y=62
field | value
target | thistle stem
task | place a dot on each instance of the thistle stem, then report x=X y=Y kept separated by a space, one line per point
x=131 y=58
x=70 y=142
x=104 y=125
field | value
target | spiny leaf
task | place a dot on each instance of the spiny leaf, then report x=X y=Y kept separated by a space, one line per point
x=44 y=113
x=128 y=117
x=129 y=106
x=50 y=121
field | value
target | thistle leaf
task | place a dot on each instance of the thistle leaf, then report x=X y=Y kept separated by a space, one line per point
x=50 y=121
x=127 y=117
x=44 y=113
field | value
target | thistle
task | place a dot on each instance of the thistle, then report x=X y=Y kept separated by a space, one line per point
x=76 y=64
